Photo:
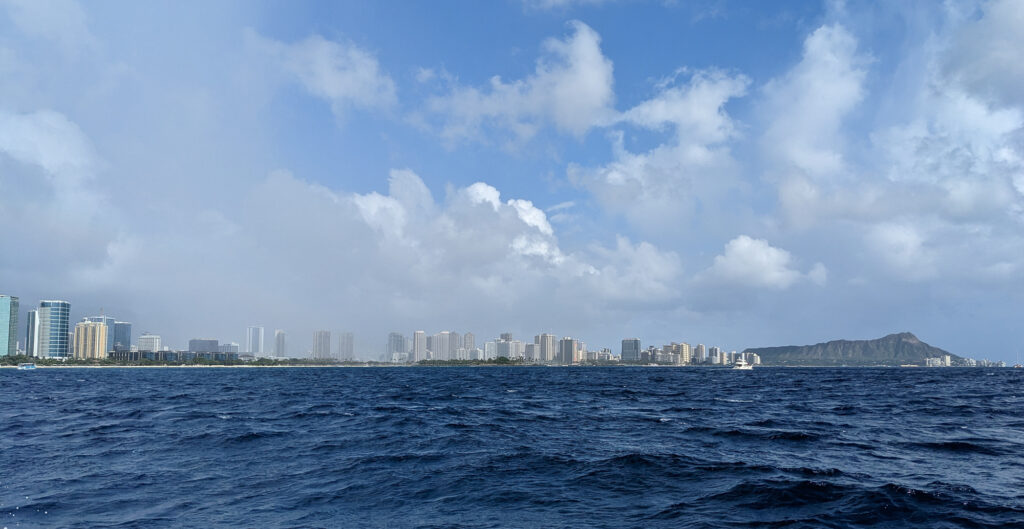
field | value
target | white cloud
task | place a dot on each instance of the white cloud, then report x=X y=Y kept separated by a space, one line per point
x=570 y=88
x=985 y=55
x=50 y=141
x=343 y=74
x=749 y=262
x=807 y=106
x=902 y=247
x=47 y=178
x=480 y=192
x=662 y=185
x=635 y=274
x=531 y=215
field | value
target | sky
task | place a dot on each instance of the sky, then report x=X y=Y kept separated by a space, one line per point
x=738 y=174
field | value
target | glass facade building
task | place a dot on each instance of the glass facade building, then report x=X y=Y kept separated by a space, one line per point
x=52 y=339
x=8 y=325
x=121 y=339
x=630 y=350
x=203 y=345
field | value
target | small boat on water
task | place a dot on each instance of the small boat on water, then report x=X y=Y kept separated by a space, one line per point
x=26 y=366
x=742 y=364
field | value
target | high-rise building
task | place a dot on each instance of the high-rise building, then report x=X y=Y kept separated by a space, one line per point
x=531 y=352
x=91 y=340
x=149 y=342
x=568 y=351
x=454 y=344
x=254 y=340
x=31 y=332
x=700 y=354
x=685 y=353
x=51 y=330
x=509 y=348
x=546 y=344
x=280 y=351
x=419 y=346
x=630 y=350
x=229 y=347
x=203 y=345
x=322 y=345
x=396 y=344
x=715 y=355
x=8 y=325
x=105 y=320
x=469 y=341
x=121 y=339
x=442 y=346
x=346 y=346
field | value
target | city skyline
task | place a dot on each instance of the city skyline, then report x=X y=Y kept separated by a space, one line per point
x=98 y=337
x=775 y=173
x=93 y=336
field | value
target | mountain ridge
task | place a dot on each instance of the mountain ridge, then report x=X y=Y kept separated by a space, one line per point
x=893 y=349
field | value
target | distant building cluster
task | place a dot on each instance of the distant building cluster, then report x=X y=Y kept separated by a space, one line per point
x=49 y=333
x=549 y=349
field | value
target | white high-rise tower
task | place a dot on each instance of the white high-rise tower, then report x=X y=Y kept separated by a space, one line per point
x=254 y=340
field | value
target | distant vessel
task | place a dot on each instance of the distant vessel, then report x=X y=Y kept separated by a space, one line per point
x=26 y=365
x=742 y=364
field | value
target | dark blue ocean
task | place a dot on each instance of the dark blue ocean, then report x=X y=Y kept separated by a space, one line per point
x=511 y=447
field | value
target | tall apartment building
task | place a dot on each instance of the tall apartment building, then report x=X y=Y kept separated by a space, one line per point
x=419 y=346
x=254 y=340
x=91 y=340
x=280 y=351
x=322 y=345
x=346 y=346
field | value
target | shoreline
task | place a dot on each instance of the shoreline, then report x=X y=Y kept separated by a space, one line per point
x=304 y=366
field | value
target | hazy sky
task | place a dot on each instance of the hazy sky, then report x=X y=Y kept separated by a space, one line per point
x=740 y=174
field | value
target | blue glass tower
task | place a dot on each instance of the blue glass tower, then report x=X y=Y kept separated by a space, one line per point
x=122 y=337
x=8 y=325
x=52 y=323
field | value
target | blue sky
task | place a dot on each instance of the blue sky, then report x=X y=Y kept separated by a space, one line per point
x=730 y=173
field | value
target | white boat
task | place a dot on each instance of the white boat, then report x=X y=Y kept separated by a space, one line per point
x=742 y=364
x=26 y=365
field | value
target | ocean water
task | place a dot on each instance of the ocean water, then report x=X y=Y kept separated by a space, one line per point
x=511 y=447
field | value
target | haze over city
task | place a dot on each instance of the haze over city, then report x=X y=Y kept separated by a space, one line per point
x=734 y=174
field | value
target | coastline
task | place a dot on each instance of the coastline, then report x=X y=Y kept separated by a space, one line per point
x=404 y=366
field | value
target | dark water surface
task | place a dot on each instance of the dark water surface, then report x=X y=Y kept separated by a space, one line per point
x=511 y=447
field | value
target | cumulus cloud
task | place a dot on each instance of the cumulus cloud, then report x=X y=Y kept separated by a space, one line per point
x=341 y=73
x=47 y=167
x=985 y=53
x=327 y=258
x=664 y=183
x=808 y=104
x=932 y=189
x=571 y=88
x=50 y=141
x=749 y=262
x=902 y=247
